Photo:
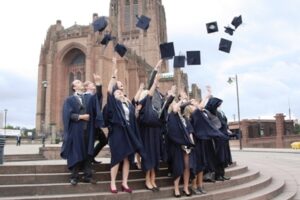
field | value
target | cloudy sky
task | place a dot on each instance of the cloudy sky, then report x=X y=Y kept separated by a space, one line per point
x=265 y=52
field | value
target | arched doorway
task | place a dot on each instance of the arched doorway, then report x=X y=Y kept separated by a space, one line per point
x=74 y=61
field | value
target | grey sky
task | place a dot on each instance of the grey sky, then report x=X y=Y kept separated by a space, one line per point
x=265 y=50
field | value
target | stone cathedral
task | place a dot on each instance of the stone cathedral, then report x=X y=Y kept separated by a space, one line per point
x=75 y=53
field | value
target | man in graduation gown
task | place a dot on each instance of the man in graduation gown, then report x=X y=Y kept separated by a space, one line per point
x=94 y=102
x=78 y=140
x=222 y=149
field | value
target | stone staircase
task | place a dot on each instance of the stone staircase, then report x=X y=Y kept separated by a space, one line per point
x=51 y=182
x=23 y=157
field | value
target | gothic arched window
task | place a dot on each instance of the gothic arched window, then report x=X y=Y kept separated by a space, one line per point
x=135 y=11
x=127 y=16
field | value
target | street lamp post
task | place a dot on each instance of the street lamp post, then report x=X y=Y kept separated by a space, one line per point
x=5 y=115
x=44 y=126
x=230 y=80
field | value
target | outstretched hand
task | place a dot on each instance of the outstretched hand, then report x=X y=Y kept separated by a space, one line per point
x=142 y=86
x=158 y=64
x=97 y=79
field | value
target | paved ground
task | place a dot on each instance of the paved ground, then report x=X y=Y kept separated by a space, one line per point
x=282 y=161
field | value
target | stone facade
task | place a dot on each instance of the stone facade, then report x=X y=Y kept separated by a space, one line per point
x=75 y=53
x=278 y=133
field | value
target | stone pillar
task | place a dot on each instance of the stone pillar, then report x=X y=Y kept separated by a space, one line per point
x=244 y=126
x=53 y=133
x=279 y=118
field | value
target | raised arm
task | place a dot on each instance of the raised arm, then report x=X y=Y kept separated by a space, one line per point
x=206 y=98
x=138 y=93
x=113 y=79
x=153 y=87
x=153 y=73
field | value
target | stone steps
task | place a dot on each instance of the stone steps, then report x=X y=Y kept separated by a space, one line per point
x=23 y=157
x=52 y=182
x=64 y=189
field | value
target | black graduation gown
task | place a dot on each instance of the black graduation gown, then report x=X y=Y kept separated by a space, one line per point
x=221 y=144
x=204 y=133
x=74 y=148
x=151 y=129
x=178 y=135
x=123 y=137
x=224 y=130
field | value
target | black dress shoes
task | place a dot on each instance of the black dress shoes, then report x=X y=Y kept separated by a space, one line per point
x=95 y=162
x=73 y=181
x=226 y=178
x=220 y=178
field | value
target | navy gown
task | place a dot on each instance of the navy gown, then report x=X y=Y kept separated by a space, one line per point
x=221 y=144
x=204 y=134
x=123 y=137
x=151 y=128
x=178 y=135
x=74 y=148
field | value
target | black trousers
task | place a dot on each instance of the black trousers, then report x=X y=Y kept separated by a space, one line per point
x=85 y=165
x=102 y=141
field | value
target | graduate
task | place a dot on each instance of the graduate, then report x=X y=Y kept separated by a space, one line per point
x=197 y=157
x=180 y=144
x=205 y=132
x=78 y=139
x=123 y=137
x=95 y=109
x=151 y=128
x=221 y=144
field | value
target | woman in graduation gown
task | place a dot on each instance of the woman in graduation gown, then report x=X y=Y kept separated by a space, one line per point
x=123 y=137
x=180 y=143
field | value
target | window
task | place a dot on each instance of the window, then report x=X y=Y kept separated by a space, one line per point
x=127 y=16
x=135 y=11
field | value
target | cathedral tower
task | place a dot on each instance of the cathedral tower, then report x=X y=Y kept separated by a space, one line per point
x=143 y=43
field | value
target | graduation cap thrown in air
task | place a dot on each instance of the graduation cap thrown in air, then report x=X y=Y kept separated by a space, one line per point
x=229 y=30
x=167 y=50
x=179 y=61
x=120 y=49
x=106 y=39
x=143 y=22
x=237 y=21
x=225 y=45
x=100 y=24
x=212 y=27
x=193 y=58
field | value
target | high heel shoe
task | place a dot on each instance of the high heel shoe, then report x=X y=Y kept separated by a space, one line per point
x=115 y=191
x=151 y=189
x=177 y=195
x=124 y=189
x=186 y=194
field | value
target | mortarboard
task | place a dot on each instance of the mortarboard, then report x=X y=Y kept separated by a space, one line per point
x=143 y=22
x=193 y=58
x=120 y=49
x=212 y=27
x=237 y=21
x=229 y=30
x=225 y=45
x=179 y=61
x=106 y=39
x=100 y=24
x=167 y=50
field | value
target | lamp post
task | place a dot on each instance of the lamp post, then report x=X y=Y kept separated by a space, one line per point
x=44 y=127
x=5 y=115
x=230 y=80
